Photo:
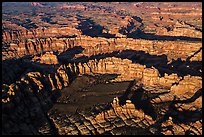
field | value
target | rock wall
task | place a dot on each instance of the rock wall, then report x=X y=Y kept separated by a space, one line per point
x=128 y=71
x=159 y=52
x=26 y=102
x=113 y=120
x=47 y=58
x=94 y=46
x=110 y=121
x=20 y=35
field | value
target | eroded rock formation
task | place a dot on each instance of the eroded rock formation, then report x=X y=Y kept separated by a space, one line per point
x=94 y=46
x=47 y=58
x=101 y=68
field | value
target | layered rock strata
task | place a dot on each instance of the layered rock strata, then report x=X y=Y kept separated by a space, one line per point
x=47 y=58
x=116 y=118
x=20 y=35
x=26 y=101
x=94 y=46
x=44 y=88
x=56 y=78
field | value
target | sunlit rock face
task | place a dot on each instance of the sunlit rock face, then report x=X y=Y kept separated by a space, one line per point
x=102 y=68
x=47 y=58
x=94 y=46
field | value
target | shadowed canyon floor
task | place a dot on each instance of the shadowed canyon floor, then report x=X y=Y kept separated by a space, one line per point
x=101 y=68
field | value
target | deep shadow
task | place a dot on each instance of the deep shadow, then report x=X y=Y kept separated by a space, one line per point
x=90 y=28
x=139 y=98
x=125 y=96
x=137 y=19
x=66 y=36
x=45 y=97
x=185 y=116
x=13 y=68
x=67 y=56
x=178 y=116
x=160 y=62
x=139 y=34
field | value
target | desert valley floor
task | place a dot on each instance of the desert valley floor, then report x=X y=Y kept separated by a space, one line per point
x=109 y=68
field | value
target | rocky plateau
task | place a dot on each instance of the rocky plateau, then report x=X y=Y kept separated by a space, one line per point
x=101 y=68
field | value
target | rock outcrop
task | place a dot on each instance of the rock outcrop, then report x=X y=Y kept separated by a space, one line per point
x=44 y=87
x=47 y=58
x=102 y=68
x=116 y=117
x=21 y=35
x=94 y=46
x=30 y=98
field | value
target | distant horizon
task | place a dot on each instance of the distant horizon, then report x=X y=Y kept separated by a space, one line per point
x=101 y=68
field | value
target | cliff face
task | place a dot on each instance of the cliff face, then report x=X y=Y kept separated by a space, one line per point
x=42 y=89
x=30 y=98
x=94 y=46
x=150 y=77
x=113 y=65
x=122 y=113
x=47 y=58
x=20 y=35
x=102 y=68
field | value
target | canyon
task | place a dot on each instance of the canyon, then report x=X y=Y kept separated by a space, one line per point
x=70 y=71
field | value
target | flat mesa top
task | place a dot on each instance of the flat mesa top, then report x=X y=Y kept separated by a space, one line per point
x=109 y=68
